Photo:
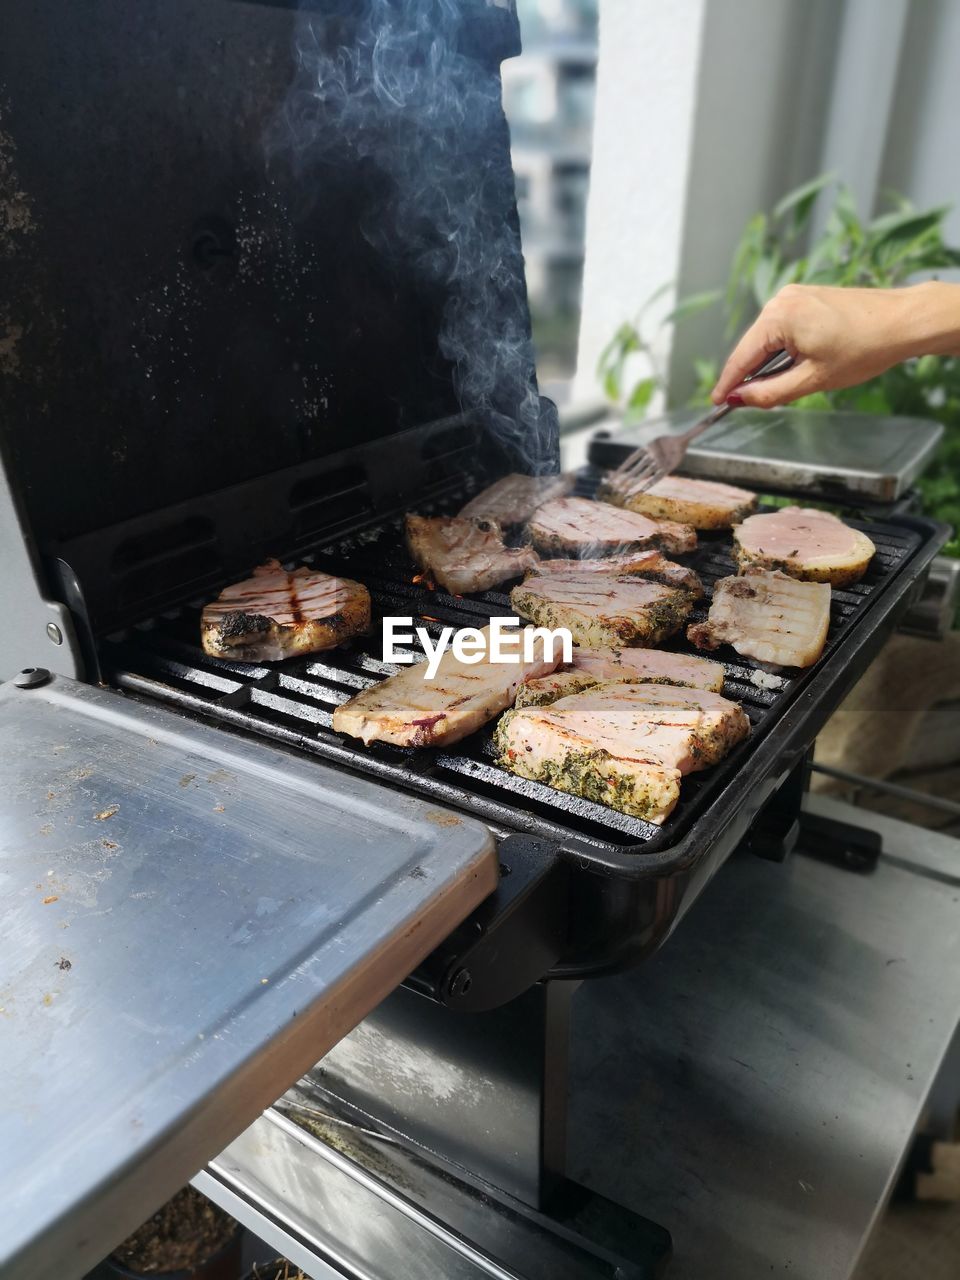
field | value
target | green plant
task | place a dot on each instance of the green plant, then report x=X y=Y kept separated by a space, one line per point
x=774 y=250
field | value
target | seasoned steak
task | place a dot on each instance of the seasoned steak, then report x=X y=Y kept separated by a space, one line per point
x=639 y=564
x=629 y=666
x=465 y=555
x=703 y=503
x=622 y=745
x=602 y=611
x=513 y=499
x=275 y=614
x=769 y=616
x=811 y=545
x=411 y=711
x=579 y=527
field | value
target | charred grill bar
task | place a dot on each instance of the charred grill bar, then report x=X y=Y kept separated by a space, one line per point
x=261 y=305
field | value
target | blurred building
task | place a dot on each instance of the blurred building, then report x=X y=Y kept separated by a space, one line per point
x=548 y=97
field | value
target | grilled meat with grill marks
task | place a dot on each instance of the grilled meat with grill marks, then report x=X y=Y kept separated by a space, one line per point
x=811 y=545
x=641 y=564
x=769 y=616
x=411 y=711
x=703 y=503
x=622 y=745
x=465 y=555
x=579 y=527
x=630 y=666
x=603 y=611
x=275 y=614
x=513 y=499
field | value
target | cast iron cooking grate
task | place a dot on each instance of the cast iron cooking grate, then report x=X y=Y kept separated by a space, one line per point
x=293 y=702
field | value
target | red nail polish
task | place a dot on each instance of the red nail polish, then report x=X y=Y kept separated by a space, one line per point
x=734 y=400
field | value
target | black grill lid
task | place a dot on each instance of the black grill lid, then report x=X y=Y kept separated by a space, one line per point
x=237 y=238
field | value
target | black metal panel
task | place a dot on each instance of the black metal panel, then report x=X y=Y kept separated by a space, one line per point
x=214 y=267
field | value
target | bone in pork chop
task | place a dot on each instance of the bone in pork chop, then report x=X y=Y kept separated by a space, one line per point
x=603 y=611
x=465 y=555
x=769 y=616
x=275 y=614
x=513 y=500
x=622 y=745
x=703 y=503
x=411 y=711
x=640 y=564
x=579 y=527
x=629 y=666
x=811 y=545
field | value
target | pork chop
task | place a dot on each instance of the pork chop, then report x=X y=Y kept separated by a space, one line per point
x=275 y=614
x=513 y=499
x=629 y=666
x=705 y=504
x=641 y=564
x=811 y=545
x=603 y=611
x=622 y=745
x=411 y=711
x=465 y=555
x=579 y=527
x=769 y=616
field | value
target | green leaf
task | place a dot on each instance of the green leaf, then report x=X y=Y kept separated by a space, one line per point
x=845 y=211
x=764 y=276
x=897 y=228
x=655 y=297
x=641 y=395
x=745 y=257
x=613 y=357
x=692 y=305
x=801 y=200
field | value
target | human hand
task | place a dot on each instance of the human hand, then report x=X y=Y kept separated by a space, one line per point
x=838 y=338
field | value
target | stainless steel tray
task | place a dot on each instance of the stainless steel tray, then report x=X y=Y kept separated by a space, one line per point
x=189 y=922
x=854 y=455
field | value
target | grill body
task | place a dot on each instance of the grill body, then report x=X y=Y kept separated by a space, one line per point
x=626 y=882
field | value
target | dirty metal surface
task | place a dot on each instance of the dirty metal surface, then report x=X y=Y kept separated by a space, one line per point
x=189 y=922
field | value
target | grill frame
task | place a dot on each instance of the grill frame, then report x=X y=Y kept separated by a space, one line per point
x=726 y=797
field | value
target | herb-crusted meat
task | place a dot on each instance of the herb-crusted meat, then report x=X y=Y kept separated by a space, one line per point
x=603 y=611
x=705 y=504
x=579 y=527
x=622 y=745
x=465 y=555
x=275 y=614
x=630 y=666
x=639 y=564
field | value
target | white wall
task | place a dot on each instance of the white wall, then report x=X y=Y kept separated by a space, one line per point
x=646 y=91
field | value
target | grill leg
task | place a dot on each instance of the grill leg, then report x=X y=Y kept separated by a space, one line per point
x=485 y=1091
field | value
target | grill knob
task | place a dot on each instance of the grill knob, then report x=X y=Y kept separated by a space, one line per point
x=31 y=677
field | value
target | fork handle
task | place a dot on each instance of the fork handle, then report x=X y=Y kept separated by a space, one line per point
x=779 y=362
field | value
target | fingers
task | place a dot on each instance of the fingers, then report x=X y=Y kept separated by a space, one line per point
x=767 y=393
x=757 y=343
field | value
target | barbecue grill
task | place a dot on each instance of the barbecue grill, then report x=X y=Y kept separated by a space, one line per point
x=237 y=328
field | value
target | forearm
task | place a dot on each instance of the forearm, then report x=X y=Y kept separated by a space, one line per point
x=930 y=322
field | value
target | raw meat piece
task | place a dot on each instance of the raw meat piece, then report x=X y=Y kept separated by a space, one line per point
x=769 y=616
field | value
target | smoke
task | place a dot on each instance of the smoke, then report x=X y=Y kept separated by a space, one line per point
x=395 y=85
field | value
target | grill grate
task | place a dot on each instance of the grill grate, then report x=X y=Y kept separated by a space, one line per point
x=293 y=702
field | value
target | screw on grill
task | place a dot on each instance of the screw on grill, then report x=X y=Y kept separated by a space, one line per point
x=460 y=983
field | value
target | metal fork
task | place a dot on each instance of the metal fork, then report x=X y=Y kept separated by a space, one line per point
x=661 y=457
